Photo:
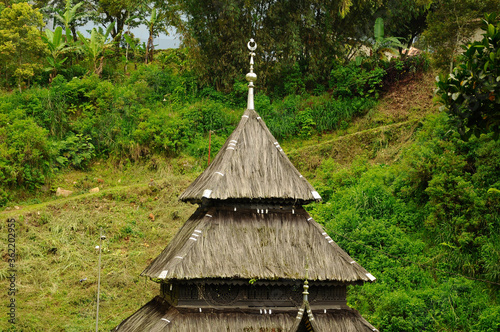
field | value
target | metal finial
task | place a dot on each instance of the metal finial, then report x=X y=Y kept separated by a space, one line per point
x=250 y=47
x=251 y=76
x=306 y=286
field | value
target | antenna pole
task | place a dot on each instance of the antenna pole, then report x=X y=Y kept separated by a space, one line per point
x=209 y=145
x=101 y=237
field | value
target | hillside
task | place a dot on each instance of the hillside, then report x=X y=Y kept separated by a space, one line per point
x=137 y=208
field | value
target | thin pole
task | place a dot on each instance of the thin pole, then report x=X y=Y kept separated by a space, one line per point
x=98 y=283
x=209 y=144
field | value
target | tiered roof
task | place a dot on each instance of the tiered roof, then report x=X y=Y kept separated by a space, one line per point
x=251 y=226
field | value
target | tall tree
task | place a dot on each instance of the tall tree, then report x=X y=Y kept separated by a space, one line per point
x=119 y=13
x=304 y=35
x=164 y=14
x=21 y=45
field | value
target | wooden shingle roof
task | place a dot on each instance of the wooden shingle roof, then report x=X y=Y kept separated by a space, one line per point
x=251 y=166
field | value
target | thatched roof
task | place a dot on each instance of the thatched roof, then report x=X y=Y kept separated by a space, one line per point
x=218 y=242
x=158 y=315
x=251 y=165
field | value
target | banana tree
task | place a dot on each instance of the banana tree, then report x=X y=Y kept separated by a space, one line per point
x=161 y=18
x=151 y=24
x=68 y=17
x=57 y=48
x=384 y=44
x=135 y=46
x=95 y=46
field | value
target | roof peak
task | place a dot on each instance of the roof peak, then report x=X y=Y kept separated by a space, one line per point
x=251 y=165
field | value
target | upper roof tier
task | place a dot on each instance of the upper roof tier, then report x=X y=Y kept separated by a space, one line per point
x=251 y=166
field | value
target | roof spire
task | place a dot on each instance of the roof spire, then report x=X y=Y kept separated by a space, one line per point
x=251 y=76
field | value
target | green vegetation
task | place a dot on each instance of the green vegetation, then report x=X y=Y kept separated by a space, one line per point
x=472 y=94
x=450 y=23
x=415 y=224
x=404 y=193
x=20 y=43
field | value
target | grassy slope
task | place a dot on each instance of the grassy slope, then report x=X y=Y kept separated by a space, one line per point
x=56 y=238
x=379 y=136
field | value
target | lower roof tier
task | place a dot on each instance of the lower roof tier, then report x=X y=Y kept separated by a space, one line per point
x=242 y=243
x=157 y=315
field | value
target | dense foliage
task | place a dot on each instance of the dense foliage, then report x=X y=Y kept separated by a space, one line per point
x=471 y=94
x=451 y=23
x=415 y=224
x=21 y=47
x=155 y=110
x=294 y=37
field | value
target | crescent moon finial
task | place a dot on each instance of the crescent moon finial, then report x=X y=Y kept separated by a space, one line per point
x=250 y=46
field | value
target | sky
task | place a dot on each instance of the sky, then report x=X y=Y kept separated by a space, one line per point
x=163 y=41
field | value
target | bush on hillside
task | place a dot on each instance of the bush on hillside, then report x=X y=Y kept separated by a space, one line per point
x=355 y=80
x=25 y=153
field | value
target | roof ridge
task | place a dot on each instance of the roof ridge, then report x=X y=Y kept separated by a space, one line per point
x=342 y=253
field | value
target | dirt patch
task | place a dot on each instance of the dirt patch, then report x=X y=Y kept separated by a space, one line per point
x=409 y=96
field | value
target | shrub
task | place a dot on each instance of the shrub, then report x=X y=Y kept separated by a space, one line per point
x=305 y=122
x=75 y=151
x=25 y=154
x=353 y=80
x=209 y=115
x=400 y=68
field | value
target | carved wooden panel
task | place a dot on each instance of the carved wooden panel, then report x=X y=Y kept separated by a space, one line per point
x=227 y=295
x=221 y=294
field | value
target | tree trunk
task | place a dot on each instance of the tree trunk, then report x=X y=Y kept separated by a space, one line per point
x=73 y=32
x=126 y=60
x=98 y=70
x=453 y=51
x=149 y=49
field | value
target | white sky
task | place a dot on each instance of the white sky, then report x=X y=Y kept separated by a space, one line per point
x=163 y=41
